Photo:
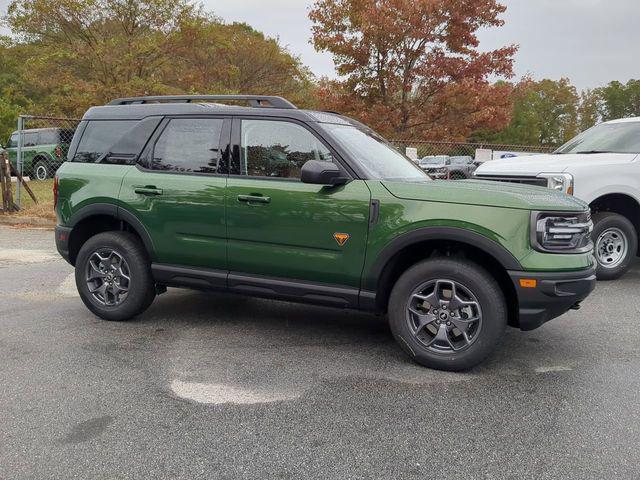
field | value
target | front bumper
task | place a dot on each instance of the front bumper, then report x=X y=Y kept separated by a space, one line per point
x=554 y=294
x=62 y=241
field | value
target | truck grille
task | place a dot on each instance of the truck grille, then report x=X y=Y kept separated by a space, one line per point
x=539 y=182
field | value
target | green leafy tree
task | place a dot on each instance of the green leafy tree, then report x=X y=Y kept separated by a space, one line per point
x=619 y=100
x=544 y=113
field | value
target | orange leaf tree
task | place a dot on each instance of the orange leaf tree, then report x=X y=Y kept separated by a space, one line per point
x=412 y=68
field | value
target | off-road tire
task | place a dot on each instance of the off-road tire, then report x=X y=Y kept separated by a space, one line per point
x=479 y=282
x=141 y=287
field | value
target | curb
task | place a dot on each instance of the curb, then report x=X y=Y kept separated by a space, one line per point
x=26 y=221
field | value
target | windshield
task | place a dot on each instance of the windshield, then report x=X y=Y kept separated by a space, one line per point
x=379 y=159
x=623 y=137
x=434 y=161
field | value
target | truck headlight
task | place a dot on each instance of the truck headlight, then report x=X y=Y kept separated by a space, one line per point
x=563 y=182
x=561 y=232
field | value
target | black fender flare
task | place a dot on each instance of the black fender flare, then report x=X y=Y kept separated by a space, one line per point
x=461 y=235
x=118 y=213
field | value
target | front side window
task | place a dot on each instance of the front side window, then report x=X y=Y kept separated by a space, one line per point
x=619 y=137
x=189 y=145
x=98 y=138
x=13 y=141
x=278 y=149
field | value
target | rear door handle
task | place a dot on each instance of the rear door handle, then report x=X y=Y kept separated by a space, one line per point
x=254 y=199
x=148 y=190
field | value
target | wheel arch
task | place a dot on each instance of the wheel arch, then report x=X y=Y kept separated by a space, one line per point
x=98 y=218
x=620 y=203
x=429 y=242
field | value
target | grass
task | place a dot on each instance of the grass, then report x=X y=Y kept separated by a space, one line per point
x=43 y=190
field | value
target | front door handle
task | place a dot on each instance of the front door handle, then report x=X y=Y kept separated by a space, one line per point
x=254 y=199
x=148 y=190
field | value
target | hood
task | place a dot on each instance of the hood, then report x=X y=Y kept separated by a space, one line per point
x=532 y=165
x=433 y=165
x=491 y=194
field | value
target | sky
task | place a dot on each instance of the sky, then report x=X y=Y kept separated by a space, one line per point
x=589 y=41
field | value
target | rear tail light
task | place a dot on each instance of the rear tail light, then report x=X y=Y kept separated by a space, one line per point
x=58 y=152
x=55 y=192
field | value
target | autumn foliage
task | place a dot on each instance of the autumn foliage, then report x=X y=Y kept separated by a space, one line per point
x=412 y=68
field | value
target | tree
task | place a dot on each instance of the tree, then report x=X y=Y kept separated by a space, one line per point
x=619 y=100
x=412 y=67
x=86 y=52
x=544 y=113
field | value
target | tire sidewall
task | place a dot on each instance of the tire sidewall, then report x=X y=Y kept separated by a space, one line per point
x=41 y=163
x=474 y=278
x=140 y=287
x=604 y=221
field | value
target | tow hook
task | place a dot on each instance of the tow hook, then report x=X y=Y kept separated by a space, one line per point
x=576 y=306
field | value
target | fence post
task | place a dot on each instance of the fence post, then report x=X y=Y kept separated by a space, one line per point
x=19 y=160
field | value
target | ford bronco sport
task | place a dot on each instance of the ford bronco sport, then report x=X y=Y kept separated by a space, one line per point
x=268 y=200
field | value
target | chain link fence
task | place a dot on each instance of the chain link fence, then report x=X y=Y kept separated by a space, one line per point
x=40 y=145
x=426 y=148
x=37 y=149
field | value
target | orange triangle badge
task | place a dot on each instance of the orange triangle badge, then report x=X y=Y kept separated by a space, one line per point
x=341 y=238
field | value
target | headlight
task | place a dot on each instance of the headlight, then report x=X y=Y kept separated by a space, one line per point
x=563 y=182
x=561 y=232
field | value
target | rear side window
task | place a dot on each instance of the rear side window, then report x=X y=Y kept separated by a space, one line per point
x=98 y=138
x=189 y=145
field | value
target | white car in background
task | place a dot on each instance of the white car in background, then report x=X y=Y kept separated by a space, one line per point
x=600 y=166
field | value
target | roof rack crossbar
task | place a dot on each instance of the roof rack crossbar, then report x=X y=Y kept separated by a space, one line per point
x=256 y=101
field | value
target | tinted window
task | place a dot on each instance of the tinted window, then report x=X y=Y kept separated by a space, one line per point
x=189 y=145
x=278 y=149
x=48 y=137
x=99 y=137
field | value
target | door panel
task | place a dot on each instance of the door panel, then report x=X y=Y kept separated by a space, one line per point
x=180 y=199
x=186 y=221
x=281 y=227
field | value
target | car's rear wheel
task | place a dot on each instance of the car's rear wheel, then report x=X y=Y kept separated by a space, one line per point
x=447 y=314
x=616 y=244
x=41 y=171
x=113 y=276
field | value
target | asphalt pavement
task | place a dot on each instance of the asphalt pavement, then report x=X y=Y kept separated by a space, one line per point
x=228 y=387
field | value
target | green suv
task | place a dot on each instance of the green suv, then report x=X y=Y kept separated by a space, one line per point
x=267 y=200
x=43 y=150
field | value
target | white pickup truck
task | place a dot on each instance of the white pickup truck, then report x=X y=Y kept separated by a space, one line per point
x=600 y=166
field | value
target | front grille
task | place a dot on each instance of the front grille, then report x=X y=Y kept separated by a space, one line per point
x=540 y=182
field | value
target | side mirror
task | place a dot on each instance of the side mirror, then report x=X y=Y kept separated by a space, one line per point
x=322 y=173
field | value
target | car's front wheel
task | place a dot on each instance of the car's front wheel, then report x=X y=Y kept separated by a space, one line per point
x=616 y=244
x=447 y=314
x=113 y=276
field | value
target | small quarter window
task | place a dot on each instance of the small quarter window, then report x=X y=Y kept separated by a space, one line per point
x=98 y=138
x=278 y=149
x=189 y=145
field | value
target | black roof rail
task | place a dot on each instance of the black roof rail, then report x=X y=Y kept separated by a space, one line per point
x=256 y=101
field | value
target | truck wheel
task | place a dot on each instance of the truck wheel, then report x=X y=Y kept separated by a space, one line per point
x=113 y=276
x=447 y=314
x=616 y=244
x=41 y=171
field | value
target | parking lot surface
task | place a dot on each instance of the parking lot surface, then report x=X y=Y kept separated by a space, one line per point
x=212 y=386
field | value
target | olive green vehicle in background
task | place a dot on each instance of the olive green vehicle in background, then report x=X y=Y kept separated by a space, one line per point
x=43 y=151
x=268 y=200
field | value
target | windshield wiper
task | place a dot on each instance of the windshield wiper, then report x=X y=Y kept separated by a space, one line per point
x=589 y=152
